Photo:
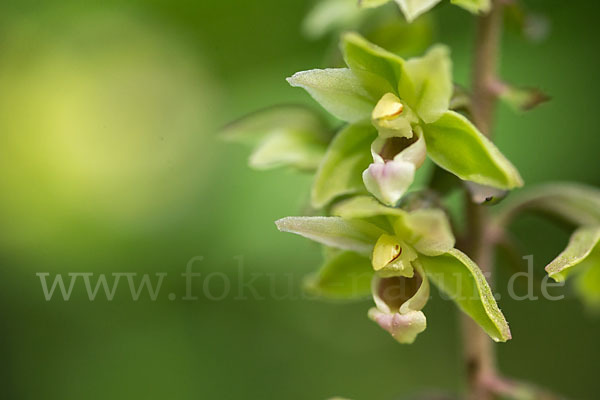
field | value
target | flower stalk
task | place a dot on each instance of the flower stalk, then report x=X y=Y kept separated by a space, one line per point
x=479 y=352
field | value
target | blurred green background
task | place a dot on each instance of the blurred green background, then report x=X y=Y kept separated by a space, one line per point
x=109 y=162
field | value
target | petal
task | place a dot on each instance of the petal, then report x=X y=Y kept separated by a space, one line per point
x=355 y=235
x=456 y=145
x=587 y=283
x=393 y=118
x=400 y=293
x=413 y=150
x=581 y=245
x=413 y=8
x=462 y=280
x=574 y=203
x=431 y=76
x=293 y=136
x=482 y=194
x=344 y=275
x=474 y=6
x=403 y=327
x=389 y=181
x=338 y=90
x=399 y=302
x=296 y=149
x=341 y=169
x=379 y=70
x=427 y=230
x=393 y=257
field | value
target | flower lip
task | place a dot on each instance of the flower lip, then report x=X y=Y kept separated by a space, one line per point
x=397 y=290
x=394 y=146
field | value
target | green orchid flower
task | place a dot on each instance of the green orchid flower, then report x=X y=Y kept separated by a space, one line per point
x=401 y=108
x=400 y=252
x=575 y=205
x=413 y=8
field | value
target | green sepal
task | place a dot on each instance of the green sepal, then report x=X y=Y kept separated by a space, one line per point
x=574 y=203
x=474 y=6
x=330 y=16
x=338 y=90
x=343 y=275
x=293 y=136
x=413 y=8
x=456 y=145
x=582 y=245
x=522 y=99
x=587 y=282
x=379 y=70
x=431 y=76
x=461 y=279
x=340 y=172
x=296 y=149
x=354 y=235
x=428 y=230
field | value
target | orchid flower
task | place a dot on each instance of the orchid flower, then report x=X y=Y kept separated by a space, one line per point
x=398 y=113
x=399 y=252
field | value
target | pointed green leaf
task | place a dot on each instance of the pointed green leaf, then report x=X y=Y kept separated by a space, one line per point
x=462 y=280
x=474 y=6
x=355 y=235
x=341 y=170
x=574 y=203
x=379 y=70
x=428 y=230
x=413 y=8
x=345 y=275
x=338 y=90
x=581 y=245
x=431 y=76
x=456 y=145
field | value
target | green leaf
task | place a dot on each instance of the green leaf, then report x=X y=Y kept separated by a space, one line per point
x=582 y=244
x=354 y=235
x=456 y=145
x=338 y=90
x=341 y=170
x=413 y=8
x=345 y=275
x=379 y=70
x=574 y=203
x=474 y=6
x=431 y=76
x=462 y=280
x=428 y=230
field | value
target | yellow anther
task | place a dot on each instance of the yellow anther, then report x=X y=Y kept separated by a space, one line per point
x=386 y=250
x=388 y=108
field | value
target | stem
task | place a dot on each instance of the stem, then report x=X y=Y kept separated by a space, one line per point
x=479 y=352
